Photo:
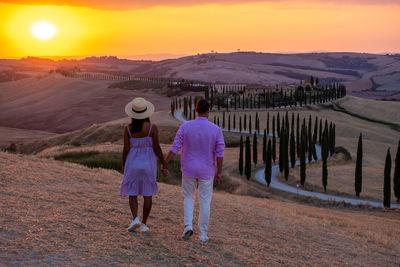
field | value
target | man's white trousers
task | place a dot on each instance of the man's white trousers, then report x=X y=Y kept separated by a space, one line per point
x=205 y=194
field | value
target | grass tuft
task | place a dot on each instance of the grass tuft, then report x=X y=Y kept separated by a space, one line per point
x=113 y=161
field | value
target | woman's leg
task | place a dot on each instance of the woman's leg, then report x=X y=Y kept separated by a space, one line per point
x=133 y=204
x=146 y=208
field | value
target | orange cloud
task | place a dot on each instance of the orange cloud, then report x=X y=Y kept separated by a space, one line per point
x=135 y=4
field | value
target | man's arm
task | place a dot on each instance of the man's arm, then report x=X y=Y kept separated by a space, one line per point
x=169 y=156
x=218 y=174
x=219 y=153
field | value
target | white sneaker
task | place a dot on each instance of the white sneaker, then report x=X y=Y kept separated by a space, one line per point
x=135 y=224
x=187 y=233
x=203 y=238
x=144 y=228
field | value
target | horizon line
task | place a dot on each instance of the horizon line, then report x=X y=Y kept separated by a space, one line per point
x=166 y=56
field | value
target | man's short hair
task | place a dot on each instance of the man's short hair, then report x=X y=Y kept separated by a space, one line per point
x=202 y=106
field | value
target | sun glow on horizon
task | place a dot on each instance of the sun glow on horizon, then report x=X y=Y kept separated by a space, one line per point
x=43 y=30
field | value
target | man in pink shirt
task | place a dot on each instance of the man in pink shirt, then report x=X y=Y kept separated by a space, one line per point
x=202 y=143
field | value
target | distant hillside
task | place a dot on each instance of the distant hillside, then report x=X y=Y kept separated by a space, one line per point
x=58 y=104
x=366 y=75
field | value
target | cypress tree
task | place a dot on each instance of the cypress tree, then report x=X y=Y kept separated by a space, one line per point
x=292 y=125
x=281 y=154
x=286 y=153
x=223 y=119
x=215 y=120
x=315 y=130
x=273 y=125
x=255 y=123
x=305 y=135
x=229 y=122
x=250 y=124
x=190 y=108
x=218 y=121
x=245 y=122
x=314 y=139
x=310 y=149
x=172 y=108
x=292 y=149
x=326 y=127
x=358 y=172
x=247 y=166
x=264 y=149
x=324 y=153
x=241 y=156
x=268 y=164
x=235 y=102
x=320 y=131
x=274 y=148
x=333 y=139
x=386 y=184
x=273 y=139
x=267 y=122
x=298 y=135
x=302 y=157
x=255 y=153
x=278 y=125
x=287 y=122
x=396 y=176
x=309 y=135
x=234 y=121
x=240 y=124
x=330 y=134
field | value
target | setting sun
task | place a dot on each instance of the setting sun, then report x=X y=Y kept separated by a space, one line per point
x=43 y=30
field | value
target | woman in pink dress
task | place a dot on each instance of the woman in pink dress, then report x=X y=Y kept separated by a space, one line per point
x=139 y=162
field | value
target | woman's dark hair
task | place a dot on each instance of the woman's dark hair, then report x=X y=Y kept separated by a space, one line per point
x=202 y=106
x=136 y=125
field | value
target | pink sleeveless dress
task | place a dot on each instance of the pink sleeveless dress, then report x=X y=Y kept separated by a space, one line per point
x=140 y=174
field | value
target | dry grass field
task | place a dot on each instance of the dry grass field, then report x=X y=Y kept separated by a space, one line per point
x=15 y=135
x=56 y=213
x=58 y=104
x=381 y=110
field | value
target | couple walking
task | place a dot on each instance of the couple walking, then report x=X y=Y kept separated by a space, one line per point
x=202 y=145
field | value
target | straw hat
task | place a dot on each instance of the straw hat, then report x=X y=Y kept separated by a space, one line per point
x=139 y=108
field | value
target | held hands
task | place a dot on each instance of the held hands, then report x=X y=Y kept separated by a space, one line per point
x=164 y=170
x=217 y=178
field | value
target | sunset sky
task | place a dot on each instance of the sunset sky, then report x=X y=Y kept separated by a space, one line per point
x=124 y=28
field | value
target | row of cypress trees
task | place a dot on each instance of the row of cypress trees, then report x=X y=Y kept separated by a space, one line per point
x=387 y=173
x=235 y=98
x=274 y=98
x=288 y=150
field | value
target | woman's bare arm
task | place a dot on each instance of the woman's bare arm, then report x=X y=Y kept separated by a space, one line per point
x=126 y=148
x=156 y=145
